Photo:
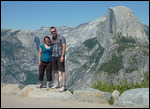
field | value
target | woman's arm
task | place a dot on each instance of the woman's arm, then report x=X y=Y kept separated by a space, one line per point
x=40 y=53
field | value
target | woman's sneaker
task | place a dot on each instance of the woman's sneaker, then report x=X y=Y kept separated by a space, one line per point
x=40 y=85
x=63 y=88
x=56 y=86
x=47 y=87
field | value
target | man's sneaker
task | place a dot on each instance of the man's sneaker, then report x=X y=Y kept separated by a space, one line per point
x=47 y=87
x=40 y=85
x=63 y=88
x=55 y=86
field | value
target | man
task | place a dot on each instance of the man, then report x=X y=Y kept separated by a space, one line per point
x=58 y=58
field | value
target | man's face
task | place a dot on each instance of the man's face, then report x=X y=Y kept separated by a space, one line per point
x=53 y=32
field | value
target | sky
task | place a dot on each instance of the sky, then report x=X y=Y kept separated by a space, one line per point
x=32 y=15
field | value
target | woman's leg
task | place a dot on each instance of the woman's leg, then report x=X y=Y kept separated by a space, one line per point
x=41 y=82
x=49 y=72
x=41 y=72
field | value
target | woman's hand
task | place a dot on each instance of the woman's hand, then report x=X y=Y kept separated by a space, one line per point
x=39 y=62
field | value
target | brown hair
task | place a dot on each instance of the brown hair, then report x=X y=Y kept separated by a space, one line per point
x=52 y=27
x=48 y=38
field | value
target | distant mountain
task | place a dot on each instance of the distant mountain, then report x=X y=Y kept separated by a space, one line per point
x=18 y=57
x=109 y=48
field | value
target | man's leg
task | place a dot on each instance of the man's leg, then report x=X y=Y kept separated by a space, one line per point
x=57 y=76
x=61 y=67
x=63 y=78
x=55 y=67
x=63 y=88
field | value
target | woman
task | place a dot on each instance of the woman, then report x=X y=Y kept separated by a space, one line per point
x=45 y=58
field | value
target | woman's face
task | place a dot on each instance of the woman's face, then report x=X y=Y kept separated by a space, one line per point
x=47 y=41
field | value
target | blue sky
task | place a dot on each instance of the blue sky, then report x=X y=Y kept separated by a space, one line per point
x=31 y=15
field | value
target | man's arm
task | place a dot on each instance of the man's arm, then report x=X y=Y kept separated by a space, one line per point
x=64 y=49
x=63 y=52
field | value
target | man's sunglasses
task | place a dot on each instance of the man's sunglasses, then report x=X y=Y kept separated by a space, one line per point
x=53 y=31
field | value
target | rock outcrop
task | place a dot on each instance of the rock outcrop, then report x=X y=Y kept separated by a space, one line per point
x=131 y=98
x=10 y=89
x=85 y=95
x=92 y=95
x=138 y=98
x=33 y=91
x=115 y=94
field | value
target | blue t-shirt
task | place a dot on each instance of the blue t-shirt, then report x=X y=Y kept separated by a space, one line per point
x=46 y=53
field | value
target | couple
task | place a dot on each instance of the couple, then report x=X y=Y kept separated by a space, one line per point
x=52 y=57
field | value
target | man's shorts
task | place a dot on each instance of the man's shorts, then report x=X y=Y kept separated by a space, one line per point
x=57 y=65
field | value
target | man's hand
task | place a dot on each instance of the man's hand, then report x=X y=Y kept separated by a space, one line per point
x=61 y=59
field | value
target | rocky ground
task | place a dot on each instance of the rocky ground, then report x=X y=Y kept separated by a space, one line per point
x=14 y=101
x=16 y=95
